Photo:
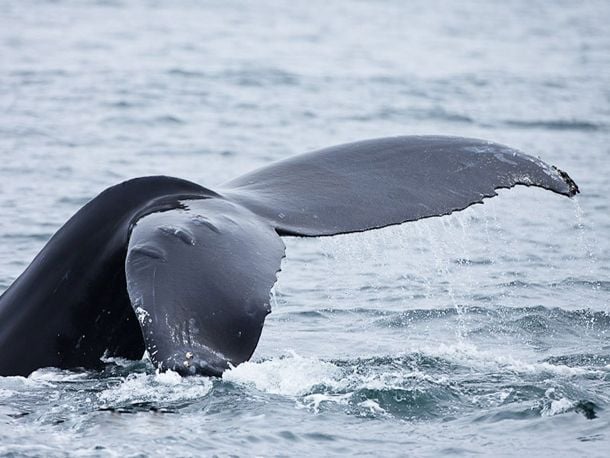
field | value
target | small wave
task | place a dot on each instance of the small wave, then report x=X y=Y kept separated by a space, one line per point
x=580 y=360
x=38 y=237
x=445 y=115
x=365 y=387
x=291 y=375
x=166 y=119
x=262 y=77
x=556 y=407
x=181 y=72
x=555 y=403
x=533 y=324
x=409 y=317
x=46 y=375
x=558 y=124
x=5 y=394
x=471 y=356
x=74 y=201
x=164 y=388
x=415 y=386
x=373 y=406
x=473 y=261
x=393 y=113
x=169 y=119
x=316 y=401
x=575 y=282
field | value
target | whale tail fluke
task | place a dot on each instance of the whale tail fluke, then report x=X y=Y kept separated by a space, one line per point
x=199 y=265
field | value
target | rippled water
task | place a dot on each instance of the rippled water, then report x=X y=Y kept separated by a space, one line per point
x=483 y=332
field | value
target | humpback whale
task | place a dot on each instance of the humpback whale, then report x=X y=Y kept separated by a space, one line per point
x=165 y=265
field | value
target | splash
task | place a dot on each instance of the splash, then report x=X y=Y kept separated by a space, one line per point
x=167 y=387
x=291 y=375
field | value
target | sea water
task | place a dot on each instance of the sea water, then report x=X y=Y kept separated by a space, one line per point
x=484 y=332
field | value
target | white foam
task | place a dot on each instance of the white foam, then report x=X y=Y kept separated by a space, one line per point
x=117 y=360
x=48 y=375
x=394 y=380
x=142 y=315
x=495 y=398
x=5 y=394
x=314 y=401
x=169 y=378
x=56 y=375
x=557 y=406
x=164 y=387
x=373 y=406
x=468 y=353
x=291 y=375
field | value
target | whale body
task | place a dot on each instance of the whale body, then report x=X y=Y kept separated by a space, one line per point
x=165 y=265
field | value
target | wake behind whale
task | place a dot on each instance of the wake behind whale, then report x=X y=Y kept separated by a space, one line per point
x=165 y=265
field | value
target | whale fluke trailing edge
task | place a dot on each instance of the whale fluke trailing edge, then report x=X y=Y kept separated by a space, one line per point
x=167 y=266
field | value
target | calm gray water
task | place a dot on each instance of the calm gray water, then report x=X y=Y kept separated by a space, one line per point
x=486 y=332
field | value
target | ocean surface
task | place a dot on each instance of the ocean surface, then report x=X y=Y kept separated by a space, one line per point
x=483 y=333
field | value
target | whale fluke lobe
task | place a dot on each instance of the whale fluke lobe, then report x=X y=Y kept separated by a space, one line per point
x=203 y=304
x=376 y=183
x=163 y=264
